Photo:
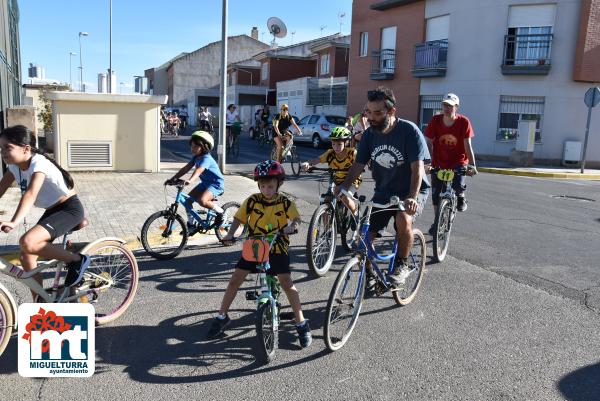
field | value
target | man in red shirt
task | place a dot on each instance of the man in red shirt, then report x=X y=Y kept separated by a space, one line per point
x=449 y=140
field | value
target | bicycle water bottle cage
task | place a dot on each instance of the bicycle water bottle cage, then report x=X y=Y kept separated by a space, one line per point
x=445 y=175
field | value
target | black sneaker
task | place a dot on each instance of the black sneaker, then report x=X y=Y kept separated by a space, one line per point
x=192 y=228
x=218 y=326
x=431 y=230
x=304 y=334
x=75 y=270
x=219 y=220
x=399 y=274
x=461 y=204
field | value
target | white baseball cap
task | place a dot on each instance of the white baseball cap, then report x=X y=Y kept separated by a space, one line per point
x=451 y=99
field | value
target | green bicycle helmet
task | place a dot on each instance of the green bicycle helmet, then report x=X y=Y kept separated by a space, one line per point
x=339 y=133
x=204 y=137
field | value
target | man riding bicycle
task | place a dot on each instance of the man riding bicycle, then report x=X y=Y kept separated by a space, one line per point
x=396 y=150
x=449 y=141
x=281 y=125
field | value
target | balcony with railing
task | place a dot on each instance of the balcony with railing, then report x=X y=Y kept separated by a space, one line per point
x=383 y=64
x=430 y=59
x=527 y=54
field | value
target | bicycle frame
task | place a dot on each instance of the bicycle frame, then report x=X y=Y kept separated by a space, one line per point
x=181 y=198
x=328 y=196
x=55 y=295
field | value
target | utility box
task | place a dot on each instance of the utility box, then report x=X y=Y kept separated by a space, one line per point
x=525 y=136
x=571 y=153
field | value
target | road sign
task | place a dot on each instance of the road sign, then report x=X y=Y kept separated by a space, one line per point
x=592 y=97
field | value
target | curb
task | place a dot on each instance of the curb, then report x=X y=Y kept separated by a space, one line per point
x=540 y=174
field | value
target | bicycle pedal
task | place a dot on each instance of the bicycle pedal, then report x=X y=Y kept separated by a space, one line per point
x=252 y=295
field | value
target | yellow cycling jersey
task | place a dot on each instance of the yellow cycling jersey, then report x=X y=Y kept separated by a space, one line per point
x=344 y=163
x=267 y=216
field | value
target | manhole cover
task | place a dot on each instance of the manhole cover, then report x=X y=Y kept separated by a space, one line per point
x=575 y=198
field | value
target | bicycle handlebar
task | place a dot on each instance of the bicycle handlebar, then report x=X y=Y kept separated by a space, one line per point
x=329 y=170
x=394 y=201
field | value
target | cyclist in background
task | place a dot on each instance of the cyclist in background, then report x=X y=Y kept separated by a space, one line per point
x=281 y=125
x=448 y=138
x=339 y=157
x=231 y=116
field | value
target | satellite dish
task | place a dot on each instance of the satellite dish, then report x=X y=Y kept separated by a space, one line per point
x=277 y=28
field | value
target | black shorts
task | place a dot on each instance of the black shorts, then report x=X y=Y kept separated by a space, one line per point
x=381 y=219
x=280 y=264
x=459 y=184
x=60 y=219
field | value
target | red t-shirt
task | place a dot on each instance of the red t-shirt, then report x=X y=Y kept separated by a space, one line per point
x=449 y=142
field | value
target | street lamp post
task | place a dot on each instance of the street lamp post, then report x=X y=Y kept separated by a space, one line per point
x=71 y=54
x=81 y=62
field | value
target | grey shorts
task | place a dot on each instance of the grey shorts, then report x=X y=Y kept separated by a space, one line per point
x=381 y=217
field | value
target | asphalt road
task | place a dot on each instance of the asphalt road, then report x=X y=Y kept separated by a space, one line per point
x=509 y=315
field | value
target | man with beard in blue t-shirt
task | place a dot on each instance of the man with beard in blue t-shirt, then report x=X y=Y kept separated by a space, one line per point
x=396 y=149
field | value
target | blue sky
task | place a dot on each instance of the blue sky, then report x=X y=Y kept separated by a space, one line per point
x=146 y=33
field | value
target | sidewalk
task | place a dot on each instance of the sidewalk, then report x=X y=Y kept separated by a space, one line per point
x=117 y=204
x=499 y=167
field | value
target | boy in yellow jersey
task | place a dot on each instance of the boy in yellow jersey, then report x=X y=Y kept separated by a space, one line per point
x=339 y=157
x=266 y=213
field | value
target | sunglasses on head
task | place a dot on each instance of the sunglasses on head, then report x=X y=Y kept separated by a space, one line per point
x=377 y=95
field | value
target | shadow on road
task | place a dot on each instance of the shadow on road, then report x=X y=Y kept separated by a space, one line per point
x=582 y=384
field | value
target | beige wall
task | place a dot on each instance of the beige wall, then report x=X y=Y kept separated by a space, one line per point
x=129 y=122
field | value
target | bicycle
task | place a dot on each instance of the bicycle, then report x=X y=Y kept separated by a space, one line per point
x=110 y=283
x=330 y=217
x=289 y=153
x=268 y=307
x=233 y=139
x=165 y=233
x=265 y=136
x=446 y=211
x=346 y=298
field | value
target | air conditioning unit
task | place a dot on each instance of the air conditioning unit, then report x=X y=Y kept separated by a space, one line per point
x=571 y=153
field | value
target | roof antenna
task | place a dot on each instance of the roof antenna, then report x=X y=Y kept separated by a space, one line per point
x=277 y=28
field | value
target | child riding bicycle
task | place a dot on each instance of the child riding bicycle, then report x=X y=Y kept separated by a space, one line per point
x=266 y=213
x=46 y=185
x=212 y=183
x=339 y=157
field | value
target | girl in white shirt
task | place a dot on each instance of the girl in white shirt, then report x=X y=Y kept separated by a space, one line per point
x=231 y=116
x=46 y=185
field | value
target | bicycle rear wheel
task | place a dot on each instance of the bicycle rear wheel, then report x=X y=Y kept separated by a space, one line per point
x=404 y=294
x=164 y=235
x=110 y=261
x=344 y=304
x=7 y=320
x=267 y=335
x=229 y=210
x=443 y=225
x=295 y=162
x=320 y=241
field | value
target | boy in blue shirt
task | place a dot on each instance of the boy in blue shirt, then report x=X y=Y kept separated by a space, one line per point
x=212 y=183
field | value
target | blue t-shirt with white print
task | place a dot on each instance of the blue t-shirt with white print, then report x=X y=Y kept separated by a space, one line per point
x=211 y=176
x=391 y=155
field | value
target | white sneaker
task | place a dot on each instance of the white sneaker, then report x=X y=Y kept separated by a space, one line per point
x=399 y=275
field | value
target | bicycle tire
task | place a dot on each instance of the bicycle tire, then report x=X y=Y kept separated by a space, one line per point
x=405 y=294
x=266 y=334
x=352 y=269
x=111 y=259
x=273 y=154
x=295 y=162
x=7 y=321
x=152 y=241
x=228 y=214
x=236 y=146
x=443 y=225
x=320 y=262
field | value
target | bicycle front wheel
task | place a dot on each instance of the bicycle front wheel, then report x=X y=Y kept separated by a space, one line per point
x=404 y=294
x=344 y=304
x=236 y=146
x=295 y=162
x=229 y=210
x=273 y=155
x=110 y=262
x=443 y=224
x=7 y=321
x=320 y=241
x=164 y=235
x=267 y=335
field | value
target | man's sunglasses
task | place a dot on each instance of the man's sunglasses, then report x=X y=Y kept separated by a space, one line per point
x=377 y=95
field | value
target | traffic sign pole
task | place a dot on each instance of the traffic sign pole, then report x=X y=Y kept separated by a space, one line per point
x=591 y=100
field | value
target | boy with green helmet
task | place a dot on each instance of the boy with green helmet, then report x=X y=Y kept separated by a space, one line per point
x=339 y=157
